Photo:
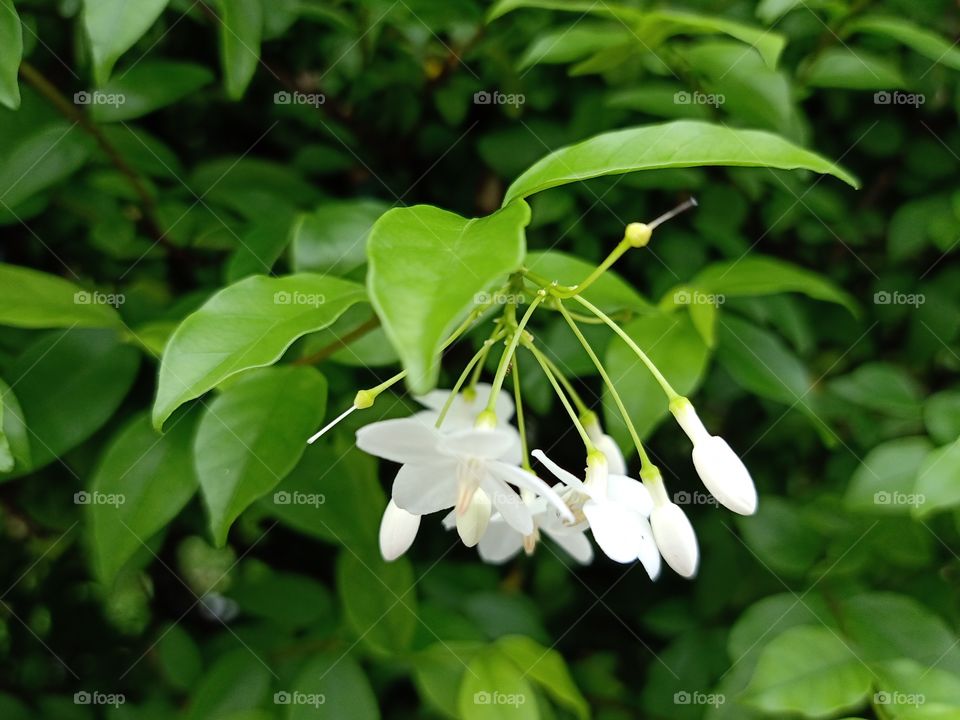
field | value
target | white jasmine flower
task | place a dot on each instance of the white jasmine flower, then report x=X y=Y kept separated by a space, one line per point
x=720 y=469
x=501 y=542
x=607 y=445
x=465 y=407
x=673 y=532
x=615 y=507
x=398 y=530
x=441 y=471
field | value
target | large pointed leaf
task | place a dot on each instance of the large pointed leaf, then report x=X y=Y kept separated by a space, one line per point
x=241 y=28
x=246 y=325
x=684 y=143
x=154 y=476
x=252 y=435
x=11 y=49
x=33 y=299
x=427 y=267
x=113 y=26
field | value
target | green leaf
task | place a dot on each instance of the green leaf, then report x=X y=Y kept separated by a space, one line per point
x=885 y=480
x=941 y=415
x=337 y=687
x=252 y=435
x=937 y=485
x=547 y=668
x=113 y=26
x=69 y=383
x=349 y=513
x=289 y=601
x=762 y=363
x=38 y=160
x=767 y=618
x=683 y=143
x=923 y=41
x=438 y=671
x=238 y=681
x=761 y=275
x=772 y=10
x=493 y=689
x=675 y=347
x=14 y=442
x=887 y=626
x=246 y=325
x=809 y=671
x=378 y=600
x=782 y=537
x=882 y=387
x=427 y=268
x=241 y=27
x=148 y=86
x=333 y=238
x=11 y=50
x=178 y=657
x=151 y=476
x=574 y=42
x=853 y=70
x=33 y=299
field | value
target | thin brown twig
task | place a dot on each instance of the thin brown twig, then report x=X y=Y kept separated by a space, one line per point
x=323 y=353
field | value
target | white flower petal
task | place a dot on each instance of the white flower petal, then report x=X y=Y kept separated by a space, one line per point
x=508 y=503
x=424 y=489
x=472 y=523
x=398 y=529
x=649 y=554
x=614 y=529
x=500 y=543
x=449 y=521
x=563 y=475
x=487 y=444
x=615 y=460
x=631 y=493
x=402 y=440
x=676 y=539
x=528 y=481
x=725 y=475
x=463 y=412
x=575 y=544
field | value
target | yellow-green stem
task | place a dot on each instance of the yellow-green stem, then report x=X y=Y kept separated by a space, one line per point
x=521 y=425
x=567 y=385
x=510 y=350
x=644 y=459
x=466 y=371
x=588 y=443
x=614 y=255
x=667 y=388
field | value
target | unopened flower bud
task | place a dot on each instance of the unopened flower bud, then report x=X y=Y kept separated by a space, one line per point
x=675 y=538
x=398 y=529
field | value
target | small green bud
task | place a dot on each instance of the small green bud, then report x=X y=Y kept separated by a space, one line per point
x=487 y=420
x=637 y=234
x=364 y=399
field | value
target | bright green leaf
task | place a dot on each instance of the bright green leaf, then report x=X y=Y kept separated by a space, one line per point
x=853 y=70
x=11 y=49
x=547 y=668
x=252 y=435
x=937 y=486
x=336 y=685
x=38 y=160
x=378 y=600
x=246 y=325
x=809 y=671
x=113 y=26
x=238 y=681
x=148 y=86
x=884 y=482
x=151 y=477
x=428 y=268
x=927 y=43
x=33 y=299
x=241 y=27
x=333 y=238
x=493 y=689
x=941 y=415
x=683 y=143
x=14 y=442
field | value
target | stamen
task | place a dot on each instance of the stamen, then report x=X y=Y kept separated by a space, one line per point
x=685 y=205
x=330 y=424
